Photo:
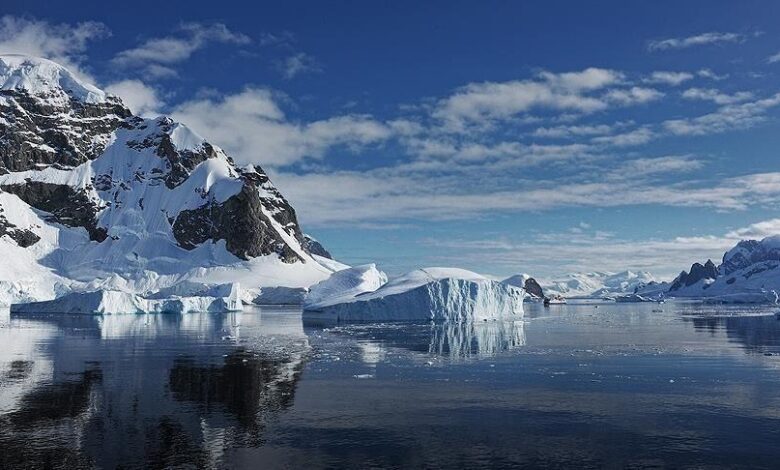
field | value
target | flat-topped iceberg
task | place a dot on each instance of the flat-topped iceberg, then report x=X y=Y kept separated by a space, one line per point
x=447 y=294
x=116 y=302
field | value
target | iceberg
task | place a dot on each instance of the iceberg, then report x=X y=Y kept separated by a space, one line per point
x=105 y=302
x=446 y=294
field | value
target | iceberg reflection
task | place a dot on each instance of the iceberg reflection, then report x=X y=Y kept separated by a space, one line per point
x=476 y=339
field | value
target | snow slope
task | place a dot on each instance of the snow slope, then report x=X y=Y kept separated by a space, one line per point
x=447 y=294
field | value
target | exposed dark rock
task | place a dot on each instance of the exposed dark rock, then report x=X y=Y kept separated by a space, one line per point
x=240 y=221
x=22 y=237
x=315 y=247
x=35 y=135
x=698 y=272
x=533 y=288
x=67 y=206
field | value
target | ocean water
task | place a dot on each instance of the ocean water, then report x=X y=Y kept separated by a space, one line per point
x=578 y=386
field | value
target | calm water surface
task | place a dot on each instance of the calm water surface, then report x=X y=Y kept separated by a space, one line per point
x=616 y=386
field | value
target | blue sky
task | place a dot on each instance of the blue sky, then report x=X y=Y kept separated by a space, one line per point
x=503 y=137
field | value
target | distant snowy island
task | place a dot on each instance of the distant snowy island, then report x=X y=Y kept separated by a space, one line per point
x=102 y=211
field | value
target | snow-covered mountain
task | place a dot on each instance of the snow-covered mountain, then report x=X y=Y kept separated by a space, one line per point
x=597 y=284
x=92 y=196
x=749 y=272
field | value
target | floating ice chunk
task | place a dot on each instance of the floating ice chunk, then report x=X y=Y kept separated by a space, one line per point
x=114 y=302
x=426 y=294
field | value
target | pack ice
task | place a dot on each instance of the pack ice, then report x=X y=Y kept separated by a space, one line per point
x=446 y=294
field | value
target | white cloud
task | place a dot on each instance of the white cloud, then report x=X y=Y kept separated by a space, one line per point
x=633 y=95
x=572 y=131
x=726 y=118
x=657 y=165
x=252 y=127
x=756 y=231
x=669 y=78
x=717 y=97
x=773 y=58
x=142 y=99
x=638 y=136
x=697 y=40
x=297 y=64
x=414 y=193
x=62 y=43
x=156 y=55
x=478 y=103
x=707 y=73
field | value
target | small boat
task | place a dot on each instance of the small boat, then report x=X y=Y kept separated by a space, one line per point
x=554 y=300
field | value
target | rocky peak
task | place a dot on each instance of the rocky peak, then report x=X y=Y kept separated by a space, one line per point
x=748 y=252
x=48 y=117
x=698 y=272
x=533 y=288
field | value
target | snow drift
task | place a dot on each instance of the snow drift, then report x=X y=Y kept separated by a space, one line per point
x=447 y=294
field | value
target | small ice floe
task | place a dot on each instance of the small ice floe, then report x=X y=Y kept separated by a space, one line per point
x=364 y=376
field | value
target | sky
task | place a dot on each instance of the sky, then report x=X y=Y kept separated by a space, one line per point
x=542 y=137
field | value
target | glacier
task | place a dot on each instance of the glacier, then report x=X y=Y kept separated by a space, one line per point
x=437 y=294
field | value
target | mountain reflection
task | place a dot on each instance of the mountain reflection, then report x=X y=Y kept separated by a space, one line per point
x=156 y=391
x=244 y=385
x=759 y=334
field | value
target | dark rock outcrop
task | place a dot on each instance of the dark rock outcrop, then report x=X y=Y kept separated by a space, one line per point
x=533 y=288
x=22 y=237
x=67 y=206
x=315 y=247
x=34 y=134
x=698 y=272
x=242 y=223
